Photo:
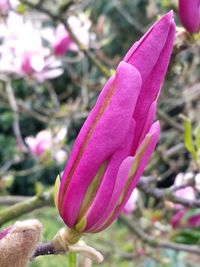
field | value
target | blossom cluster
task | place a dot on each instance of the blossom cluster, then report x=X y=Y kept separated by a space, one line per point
x=189 y=193
x=29 y=49
x=46 y=145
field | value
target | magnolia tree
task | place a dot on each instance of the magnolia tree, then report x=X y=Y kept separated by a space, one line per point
x=55 y=58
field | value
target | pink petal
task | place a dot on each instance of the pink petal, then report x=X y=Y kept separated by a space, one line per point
x=177 y=217
x=104 y=193
x=145 y=53
x=151 y=57
x=194 y=220
x=114 y=208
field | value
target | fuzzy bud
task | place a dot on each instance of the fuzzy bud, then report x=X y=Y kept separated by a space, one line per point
x=18 y=243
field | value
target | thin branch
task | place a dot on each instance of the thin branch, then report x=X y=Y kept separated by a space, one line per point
x=153 y=242
x=163 y=116
x=130 y=19
x=166 y=194
x=174 y=150
x=82 y=249
x=4 y=168
x=11 y=200
x=26 y=108
x=45 y=249
x=14 y=107
x=15 y=211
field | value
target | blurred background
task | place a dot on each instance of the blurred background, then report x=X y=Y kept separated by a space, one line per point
x=48 y=84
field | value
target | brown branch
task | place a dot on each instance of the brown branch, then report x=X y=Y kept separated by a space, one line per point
x=11 y=200
x=45 y=249
x=153 y=242
x=163 y=116
x=166 y=194
x=14 y=108
x=15 y=211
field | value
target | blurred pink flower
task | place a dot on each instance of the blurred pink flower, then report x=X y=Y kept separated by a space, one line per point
x=194 y=220
x=4 y=5
x=44 y=142
x=62 y=41
x=41 y=143
x=80 y=26
x=60 y=156
x=189 y=13
x=23 y=53
x=181 y=218
x=188 y=193
x=177 y=217
x=131 y=204
x=7 y=5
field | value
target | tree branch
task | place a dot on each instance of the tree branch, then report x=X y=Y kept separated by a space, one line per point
x=46 y=249
x=15 y=211
x=166 y=194
x=153 y=242
x=11 y=200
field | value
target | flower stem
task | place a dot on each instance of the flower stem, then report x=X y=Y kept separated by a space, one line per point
x=72 y=259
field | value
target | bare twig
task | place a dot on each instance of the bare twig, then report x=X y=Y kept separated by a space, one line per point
x=16 y=126
x=163 y=116
x=10 y=200
x=166 y=194
x=45 y=249
x=174 y=150
x=15 y=211
x=153 y=242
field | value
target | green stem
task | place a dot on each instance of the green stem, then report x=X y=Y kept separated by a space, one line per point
x=13 y=212
x=72 y=259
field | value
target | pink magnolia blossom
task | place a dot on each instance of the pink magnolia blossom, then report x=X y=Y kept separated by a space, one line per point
x=23 y=53
x=41 y=143
x=118 y=137
x=62 y=41
x=194 y=220
x=177 y=217
x=4 y=5
x=44 y=142
x=189 y=13
x=188 y=193
x=80 y=26
x=131 y=203
x=181 y=218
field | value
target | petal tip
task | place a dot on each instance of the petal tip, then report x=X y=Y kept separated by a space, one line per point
x=127 y=68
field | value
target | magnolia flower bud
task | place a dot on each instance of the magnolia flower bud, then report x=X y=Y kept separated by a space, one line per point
x=118 y=137
x=18 y=242
x=189 y=13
